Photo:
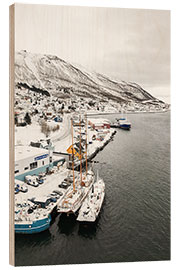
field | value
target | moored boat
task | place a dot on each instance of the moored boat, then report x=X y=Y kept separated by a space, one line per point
x=74 y=197
x=33 y=215
x=30 y=219
x=122 y=123
x=91 y=206
x=29 y=226
x=82 y=184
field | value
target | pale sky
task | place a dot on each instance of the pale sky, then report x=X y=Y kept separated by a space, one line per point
x=125 y=44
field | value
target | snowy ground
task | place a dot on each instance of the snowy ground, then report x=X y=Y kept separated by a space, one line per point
x=40 y=193
x=62 y=138
x=24 y=135
x=50 y=184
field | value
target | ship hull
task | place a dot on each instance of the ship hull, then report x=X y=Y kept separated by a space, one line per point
x=124 y=126
x=91 y=216
x=75 y=209
x=33 y=227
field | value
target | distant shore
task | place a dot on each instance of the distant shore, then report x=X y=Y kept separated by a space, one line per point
x=135 y=112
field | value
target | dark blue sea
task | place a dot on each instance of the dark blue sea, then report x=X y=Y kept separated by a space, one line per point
x=134 y=223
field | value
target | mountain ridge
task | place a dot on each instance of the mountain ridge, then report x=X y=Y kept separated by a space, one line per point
x=54 y=75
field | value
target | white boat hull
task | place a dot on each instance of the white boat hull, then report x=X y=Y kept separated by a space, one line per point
x=91 y=207
x=72 y=205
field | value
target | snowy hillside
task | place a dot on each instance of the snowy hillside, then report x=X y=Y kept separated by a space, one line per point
x=61 y=79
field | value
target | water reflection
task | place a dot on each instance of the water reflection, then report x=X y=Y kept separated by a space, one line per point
x=29 y=240
x=88 y=230
x=67 y=224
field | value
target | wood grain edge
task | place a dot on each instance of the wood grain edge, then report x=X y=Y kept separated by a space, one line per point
x=11 y=134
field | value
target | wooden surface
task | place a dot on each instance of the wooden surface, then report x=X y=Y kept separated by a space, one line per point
x=11 y=136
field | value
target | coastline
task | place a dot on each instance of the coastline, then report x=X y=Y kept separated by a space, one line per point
x=134 y=112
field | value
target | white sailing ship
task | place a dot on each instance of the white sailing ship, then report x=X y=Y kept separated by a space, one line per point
x=81 y=184
x=91 y=206
x=74 y=197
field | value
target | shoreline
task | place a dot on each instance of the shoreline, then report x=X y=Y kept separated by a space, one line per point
x=135 y=112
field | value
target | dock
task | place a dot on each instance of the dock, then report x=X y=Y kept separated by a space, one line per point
x=55 y=176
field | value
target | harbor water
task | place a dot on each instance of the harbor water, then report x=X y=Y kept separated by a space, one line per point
x=134 y=222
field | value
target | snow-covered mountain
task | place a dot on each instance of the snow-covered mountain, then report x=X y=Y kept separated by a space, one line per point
x=57 y=77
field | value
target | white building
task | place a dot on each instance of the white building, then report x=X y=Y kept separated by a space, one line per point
x=32 y=160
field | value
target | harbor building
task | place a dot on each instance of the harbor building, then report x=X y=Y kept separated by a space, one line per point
x=32 y=160
x=99 y=123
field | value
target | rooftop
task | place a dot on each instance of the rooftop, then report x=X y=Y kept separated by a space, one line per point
x=98 y=121
x=25 y=151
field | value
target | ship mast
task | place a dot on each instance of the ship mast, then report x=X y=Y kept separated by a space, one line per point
x=80 y=154
x=72 y=154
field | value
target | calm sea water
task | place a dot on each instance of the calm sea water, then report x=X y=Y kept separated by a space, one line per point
x=134 y=223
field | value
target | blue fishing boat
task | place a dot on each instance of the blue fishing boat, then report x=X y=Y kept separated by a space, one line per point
x=26 y=226
x=121 y=123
